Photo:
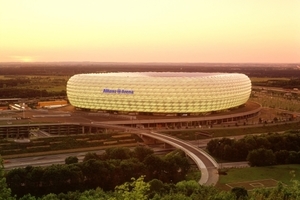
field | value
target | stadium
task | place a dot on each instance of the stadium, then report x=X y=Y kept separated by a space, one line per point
x=179 y=93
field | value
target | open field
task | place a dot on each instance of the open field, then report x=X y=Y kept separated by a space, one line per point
x=250 y=185
x=48 y=83
x=251 y=175
x=265 y=79
x=278 y=102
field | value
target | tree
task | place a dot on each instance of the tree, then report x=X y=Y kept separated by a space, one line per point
x=50 y=197
x=176 y=196
x=250 y=142
x=293 y=157
x=141 y=152
x=212 y=146
x=240 y=193
x=27 y=197
x=121 y=153
x=135 y=190
x=15 y=180
x=155 y=166
x=261 y=157
x=187 y=187
x=96 y=174
x=98 y=194
x=5 y=193
x=176 y=165
x=281 y=156
x=90 y=156
x=156 y=187
x=131 y=168
x=71 y=160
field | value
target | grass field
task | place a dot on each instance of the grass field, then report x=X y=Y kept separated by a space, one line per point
x=265 y=79
x=49 y=83
x=257 y=175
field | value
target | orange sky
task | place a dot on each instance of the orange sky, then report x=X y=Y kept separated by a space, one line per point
x=150 y=30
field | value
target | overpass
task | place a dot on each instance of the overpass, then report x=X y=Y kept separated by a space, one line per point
x=206 y=164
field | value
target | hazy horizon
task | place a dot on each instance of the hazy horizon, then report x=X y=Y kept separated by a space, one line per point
x=132 y=31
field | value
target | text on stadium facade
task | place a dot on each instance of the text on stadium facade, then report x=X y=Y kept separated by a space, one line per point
x=117 y=91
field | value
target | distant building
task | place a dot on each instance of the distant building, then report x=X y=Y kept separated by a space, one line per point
x=158 y=92
x=52 y=104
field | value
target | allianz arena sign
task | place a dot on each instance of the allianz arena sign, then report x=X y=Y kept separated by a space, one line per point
x=117 y=91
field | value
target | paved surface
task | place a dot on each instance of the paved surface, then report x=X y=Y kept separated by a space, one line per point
x=205 y=163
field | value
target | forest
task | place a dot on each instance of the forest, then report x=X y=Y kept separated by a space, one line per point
x=139 y=189
x=259 y=150
x=115 y=167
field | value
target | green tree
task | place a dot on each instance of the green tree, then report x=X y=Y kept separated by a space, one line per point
x=240 y=193
x=293 y=158
x=50 y=196
x=281 y=156
x=5 y=192
x=71 y=160
x=121 y=153
x=187 y=187
x=131 y=168
x=15 y=180
x=141 y=152
x=155 y=167
x=261 y=157
x=96 y=174
x=90 y=156
x=177 y=165
x=27 y=197
x=98 y=194
x=135 y=190
x=156 y=187
x=172 y=196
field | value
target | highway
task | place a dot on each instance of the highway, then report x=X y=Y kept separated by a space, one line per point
x=48 y=160
x=205 y=163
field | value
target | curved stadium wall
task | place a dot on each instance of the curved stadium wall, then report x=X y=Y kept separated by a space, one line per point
x=159 y=92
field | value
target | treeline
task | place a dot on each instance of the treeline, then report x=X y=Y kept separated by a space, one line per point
x=69 y=69
x=13 y=82
x=28 y=93
x=138 y=189
x=259 y=150
x=287 y=84
x=106 y=171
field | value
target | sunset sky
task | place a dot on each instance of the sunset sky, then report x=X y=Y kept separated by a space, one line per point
x=150 y=30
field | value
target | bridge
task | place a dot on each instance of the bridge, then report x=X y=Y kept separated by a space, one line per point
x=205 y=163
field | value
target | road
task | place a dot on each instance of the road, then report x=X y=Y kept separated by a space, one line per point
x=206 y=164
x=41 y=160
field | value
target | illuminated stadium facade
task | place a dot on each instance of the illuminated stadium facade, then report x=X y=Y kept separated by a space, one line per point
x=158 y=92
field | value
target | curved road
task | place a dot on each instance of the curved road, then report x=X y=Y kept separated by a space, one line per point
x=207 y=165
